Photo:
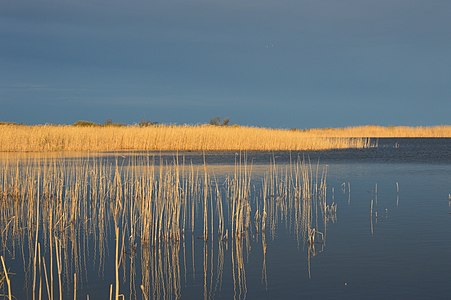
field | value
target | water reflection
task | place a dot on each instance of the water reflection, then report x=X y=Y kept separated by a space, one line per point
x=97 y=227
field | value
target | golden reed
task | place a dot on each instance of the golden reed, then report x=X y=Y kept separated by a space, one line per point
x=372 y=131
x=166 y=137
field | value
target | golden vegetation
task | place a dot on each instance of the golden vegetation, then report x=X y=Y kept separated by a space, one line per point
x=164 y=137
x=51 y=208
x=372 y=131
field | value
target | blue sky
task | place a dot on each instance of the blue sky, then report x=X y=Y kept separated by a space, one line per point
x=300 y=63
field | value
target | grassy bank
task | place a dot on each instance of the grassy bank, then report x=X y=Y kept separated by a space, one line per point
x=164 y=137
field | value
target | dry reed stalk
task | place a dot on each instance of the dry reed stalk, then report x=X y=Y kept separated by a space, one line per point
x=51 y=253
x=46 y=279
x=58 y=266
x=375 y=195
x=40 y=272
x=205 y=204
x=371 y=217
x=210 y=293
x=116 y=261
x=205 y=264
x=144 y=292
x=8 y=281
x=37 y=234
x=264 y=272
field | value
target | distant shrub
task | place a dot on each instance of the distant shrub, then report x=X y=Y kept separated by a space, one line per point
x=115 y=125
x=9 y=123
x=217 y=121
x=109 y=122
x=146 y=123
x=83 y=123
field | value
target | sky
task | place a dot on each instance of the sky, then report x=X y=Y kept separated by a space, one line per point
x=281 y=63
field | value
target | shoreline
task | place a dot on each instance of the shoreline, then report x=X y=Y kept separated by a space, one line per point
x=132 y=138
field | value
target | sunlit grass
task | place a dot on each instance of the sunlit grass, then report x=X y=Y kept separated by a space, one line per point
x=372 y=131
x=164 y=137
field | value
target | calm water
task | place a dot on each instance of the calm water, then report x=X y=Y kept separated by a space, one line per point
x=400 y=251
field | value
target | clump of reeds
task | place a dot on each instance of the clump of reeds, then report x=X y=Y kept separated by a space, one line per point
x=164 y=137
x=65 y=204
x=372 y=131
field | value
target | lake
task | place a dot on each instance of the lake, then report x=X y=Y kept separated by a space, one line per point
x=339 y=224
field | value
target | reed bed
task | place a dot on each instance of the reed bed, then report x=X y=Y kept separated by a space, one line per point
x=202 y=138
x=443 y=131
x=55 y=212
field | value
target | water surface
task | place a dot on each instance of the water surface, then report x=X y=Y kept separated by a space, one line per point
x=401 y=249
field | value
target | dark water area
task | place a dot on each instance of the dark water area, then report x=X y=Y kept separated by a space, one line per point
x=390 y=237
x=388 y=150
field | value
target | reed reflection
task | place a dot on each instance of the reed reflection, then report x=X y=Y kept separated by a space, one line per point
x=138 y=225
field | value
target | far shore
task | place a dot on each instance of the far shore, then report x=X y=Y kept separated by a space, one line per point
x=155 y=137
